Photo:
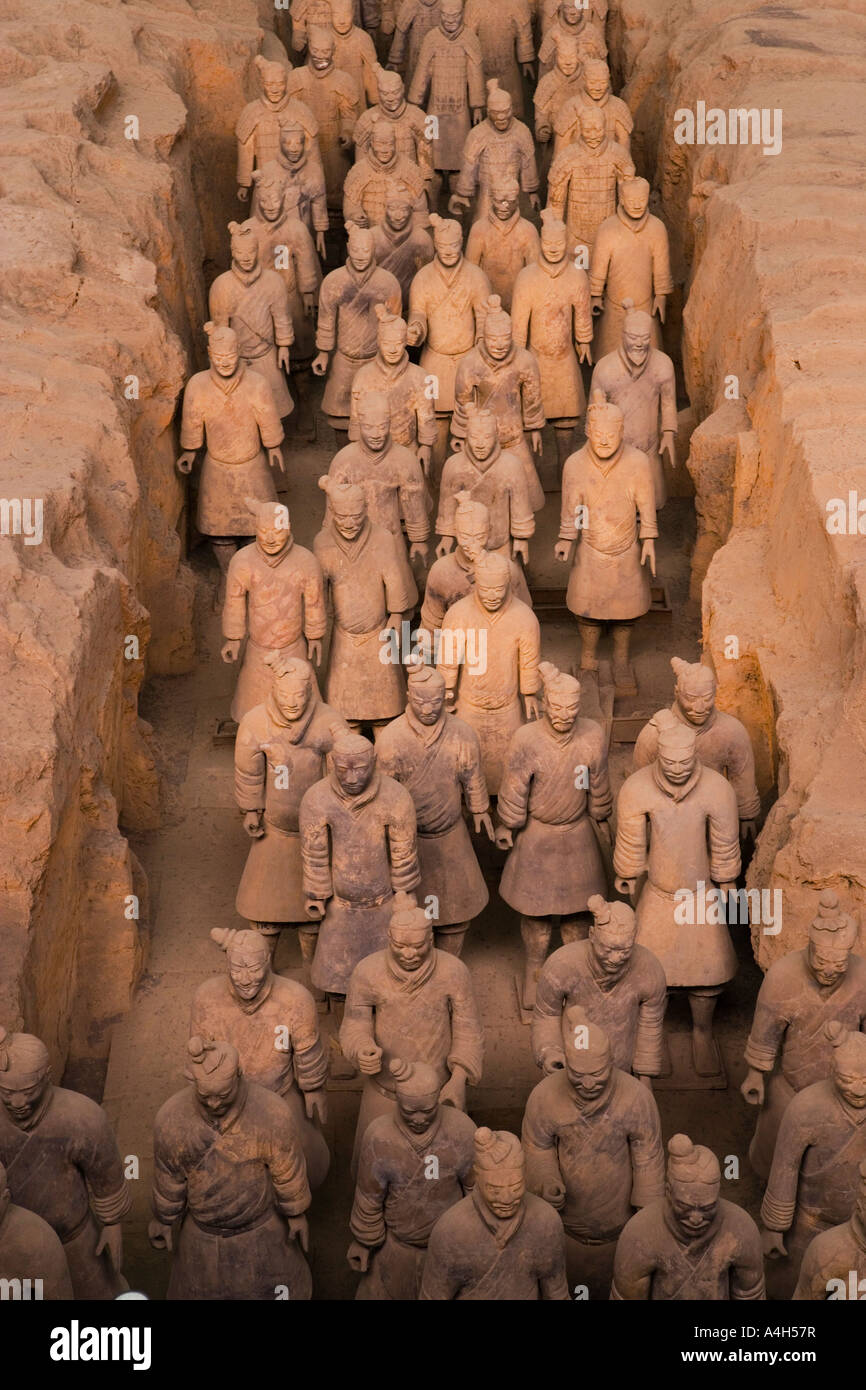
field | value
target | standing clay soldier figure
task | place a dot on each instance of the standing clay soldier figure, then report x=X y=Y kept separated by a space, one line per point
x=452 y=575
x=354 y=51
x=30 y=1249
x=621 y=986
x=359 y=847
x=346 y=329
x=606 y=486
x=574 y=22
x=491 y=475
x=253 y=300
x=499 y=147
x=691 y=812
x=274 y=598
x=553 y=92
x=721 y=740
x=414 y=21
x=800 y=994
x=692 y=1244
x=630 y=262
x=280 y=752
x=412 y=997
x=396 y=1204
x=436 y=757
x=258 y=126
x=303 y=179
x=640 y=380
x=503 y=378
x=232 y=411
x=507 y=51
x=555 y=781
x=390 y=477
x=400 y=244
x=378 y=174
x=335 y=101
x=593 y=93
x=305 y=14
x=582 y=183
x=815 y=1176
x=367 y=586
x=832 y=1256
x=447 y=308
x=450 y=69
x=494 y=687
x=410 y=408
x=272 y=1023
x=593 y=1142
x=408 y=121
x=62 y=1163
x=230 y=1188
x=501 y=1242
x=551 y=316
x=502 y=242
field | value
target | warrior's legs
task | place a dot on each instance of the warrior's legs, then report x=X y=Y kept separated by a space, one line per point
x=704 y=1047
x=307 y=938
x=223 y=548
x=564 y=440
x=575 y=927
x=304 y=419
x=342 y=437
x=271 y=933
x=622 y=675
x=451 y=938
x=536 y=939
x=441 y=449
x=590 y=632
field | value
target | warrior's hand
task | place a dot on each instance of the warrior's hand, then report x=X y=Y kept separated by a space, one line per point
x=316 y=1106
x=457 y=203
x=230 y=651
x=625 y=886
x=531 y=707
x=345 y=142
x=445 y=546
x=503 y=837
x=454 y=1091
x=358 y=1256
x=584 y=353
x=597 y=304
x=668 y=447
x=659 y=306
x=415 y=334
x=748 y=831
x=562 y=551
x=425 y=457
x=315 y=909
x=370 y=1060
x=112 y=1241
x=773 y=1245
x=484 y=822
x=534 y=202
x=543 y=134
x=320 y=246
x=520 y=549
x=552 y=1059
x=314 y=651
x=752 y=1089
x=603 y=828
x=528 y=70
x=159 y=1234
x=554 y=1193
x=536 y=441
x=455 y=444
x=185 y=462
x=309 y=298
x=648 y=552
x=283 y=358
x=320 y=364
x=299 y=1231
x=243 y=193
x=477 y=115
x=418 y=551
x=275 y=459
x=253 y=824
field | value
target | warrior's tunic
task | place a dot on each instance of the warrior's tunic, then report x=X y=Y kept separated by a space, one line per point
x=258 y=134
x=451 y=577
x=618 y=122
x=287 y=247
x=833 y=1255
x=409 y=126
x=347 y=328
x=449 y=306
x=630 y=260
x=502 y=249
x=511 y=389
x=499 y=481
x=369 y=185
x=723 y=744
x=236 y=416
x=415 y=19
x=653 y=1260
x=412 y=420
x=472 y=1255
x=393 y=485
x=490 y=155
x=647 y=397
x=550 y=312
x=403 y=253
x=336 y=103
x=450 y=69
x=30 y=1250
x=505 y=33
x=601 y=502
x=255 y=304
x=581 y=187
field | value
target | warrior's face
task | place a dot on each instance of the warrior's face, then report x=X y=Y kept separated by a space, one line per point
x=500 y=114
x=224 y=359
x=492 y=593
x=426 y=700
x=418 y=1112
x=504 y=204
x=270 y=200
x=449 y=249
x=677 y=767
x=245 y=252
x=636 y=342
x=392 y=344
x=851 y=1085
x=693 y=1206
x=375 y=429
x=342 y=16
x=383 y=143
x=249 y=968
x=561 y=710
x=634 y=196
x=498 y=342
x=572 y=14
x=502 y=1190
x=567 y=59
x=554 y=243
x=588 y=1079
x=292 y=695
x=596 y=81
x=592 y=129
x=697 y=698
x=451 y=18
x=391 y=97
x=410 y=946
x=292 y=142
x=360 y=250
x=321 y=54
x=216 y=1097
x=354 y=770
x=472 y=537
x=22 y=1095
x=350 y=524
x=481 y=434
x=828 y=964
x=273 y=530
x=275 y=86
x=604 y=430
x=397 y=214
x=612 y=948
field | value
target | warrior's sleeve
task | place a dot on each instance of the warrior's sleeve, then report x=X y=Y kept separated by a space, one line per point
x=599 y=261
x=464 y=394
x=417 y=307
x=474 y=249
x=396 y=597
x=326 y=323
x=475 y=72
x=403 y=845
x=552 y=1275
x=446 y=521
x=557 y=182
x=630 y=853
x=600 y=795
x=645 y=501
x=471 y=775
x=372 y=12
x=513 y=800
x=538 y=1137
x=724 y=833
x=309 y=1056
x=168 y=1197
x=648 y=1043
x=529 y=654
x=434 y=607
x=546 y=50
x=812 y=1283
x=348 y=104
x=250 y=770
x=423 y=148
x=318 y=199
x=747 y=1272
x=369 y=60
x=582 y=308
x=441 y=1281
x=315 y=615
x=473 y=149
x=550 y=998
x=528 y=165
x=219 y=302
x=521 y=518
x=265 y=410
x=660 y=247
x=624 y=165
x=367 y=1221
x=449 y=670
x=521 y=308
x=234 y=620
x=315 y=847
x=405 y=16
x=572 y=498
x=768 y=1026
x=780 y=1198
x=358 y=1029
x=423 y=68
x=741 y=774
x=286 y=1165
x=192 y=418
x=425 y=417
x=668 y=398
x=353 y=193
x=646 y=1151
x=363 y=130
x=246 y=139
x=467 y=1038
x=96 y=1154
x=413 y=501
x=298 y=12
x=633 y=1266
x=281 y=313
x=647 y=746
x=523 y=26
x=530 y=382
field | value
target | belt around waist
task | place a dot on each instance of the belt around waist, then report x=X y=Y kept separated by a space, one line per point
x=222 y=1232
x=281 y=829
x=363 y=902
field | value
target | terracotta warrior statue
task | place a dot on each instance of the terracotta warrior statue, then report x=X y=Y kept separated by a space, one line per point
x=437 y=758
x=640 y=380
x=231 y=410
x=280 y=752
x=505 y=379
x=494 y=476
x=399 y=1193
x=832 y=1257
x=815 y=1176
x=302 y=177
x=449 y=75
x=555 y=783
x=347 y=324
x=554 y=90
x=359 y=848
x=400 y=244
x=307 y=13
x=62 y=1162
x=551 y=315
x=452 y=575
x=721 y=740
x=621 y=986
x=800 y=994
x=272 y=1023
x=367 y=586
x=258 y=126
x=593 y=1142
x=507 y=49
x=253 y=300
x=414 y=21
x=691 y=1244
x=501 y=1242
x=567 y=20
x=403 y=384
x=412 y=997
x=30 y=1249
x=691 y=812
x=608 y=507
x=583 y=178
x=502 y=242
x=593 y=92
x=230 y=1188
x=408 y=122
x=275 y=599
x=495 y=687
x=499 y=147
x=630 y=261
x=354 y=50
x=335 y=101
x=378 y=173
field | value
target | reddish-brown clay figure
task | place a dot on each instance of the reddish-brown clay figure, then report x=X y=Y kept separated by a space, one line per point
x=231 y=410
x=409 y=122
x=403 y=384
x=280 y=752
x=507 y=51
x=692 y=1244
x=489 y=650
x=554 y=784
x=414 y=21
x=591 y=16
x=835 y=1255
x=437 y=759
x=303 y=178
x=378 y=174
x=630 y=267
x=274 y=598
x=501 y=1242
x=593 y=92
x=272 y=1023
x=307 y=13
x=621 y=986
x=359 y=847
x=554 y=90
x=815 y=1177
x=499 y=147
x=566 y=20
x=354 y=50
x=503 y=378
x=583 y=178
x=452 y=575
x=551 y=316
x=691 y=813
x=502 y=242
x=412 y=1166
x=335 y=101
x=31 y=1254
x=607 y=488
x=367 y=585
x=640 y=380
x=449 y=73
x=253 y=300
x=799 y=995
x=230 y=1188
x=494 y=476
x=593 y=1143
x=258 y=126
x=400 y=244
x=413 y=1001
x=62 y=1163
x=391 y=479
x=722 y=741
x=346 y=329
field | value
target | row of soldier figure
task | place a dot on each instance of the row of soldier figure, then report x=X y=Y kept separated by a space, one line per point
x=580 y=1206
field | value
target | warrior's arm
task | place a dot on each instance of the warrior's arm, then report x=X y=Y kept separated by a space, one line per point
x=234 y=618
x=512 y=801
x=647 y=1154
x=630 y=853
x=467 y=1038
x=309 y=1055
x=315 y=614
x=600 y=794
x=530 y=393
x=403 y=847
x=250 y=770
x=661 y=260
x=632 y=1269
x=543 y=1173
x=747 y=1272
x=780 y=1198
x=287 y=1168
x=358 y=1029
x=769 y=1026
x=647 y=1060
x=471 y=775
x=315 y=851
x=724 y=836
x=528 y=657
x=367 y=1221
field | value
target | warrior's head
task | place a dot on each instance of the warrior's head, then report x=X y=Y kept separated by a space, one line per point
x=293 y=684
x=248 y=958
x=451 y=17
x=245 y=245
x=492 y=580
x=348 y=507
x=605 y=424
x=398 y=211
x=694 y=1181
x=504 y=197
x=677 y=748
x=482 y=434
x=214 y=1069
x=637 y=333
x=695 y=690
x=25 y=1077
x=849 y=1063
x=391 y=335
x=270 y=191
x=293 y=140
x=410 y=934
x=568 y=55
x=222 y=349
x=342 y=16
x=273 y=524
x=447 y=240
x=320 y=55
x=498 y=334
x=588 y=1059
x=596 y=78
x=425 y=692
x=471 y=525
x=360 y=247
x=374 y=421
x=500 y=1171
x=383 y=143
x=417 y=1089
x=354 y=759
x=500 y=107
x=592 y=127
x=389 y=86
x=832 y=936
x=611 y=935
x=560 y=699
x=554 y=236
x=634 y=197
x=274 y=78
